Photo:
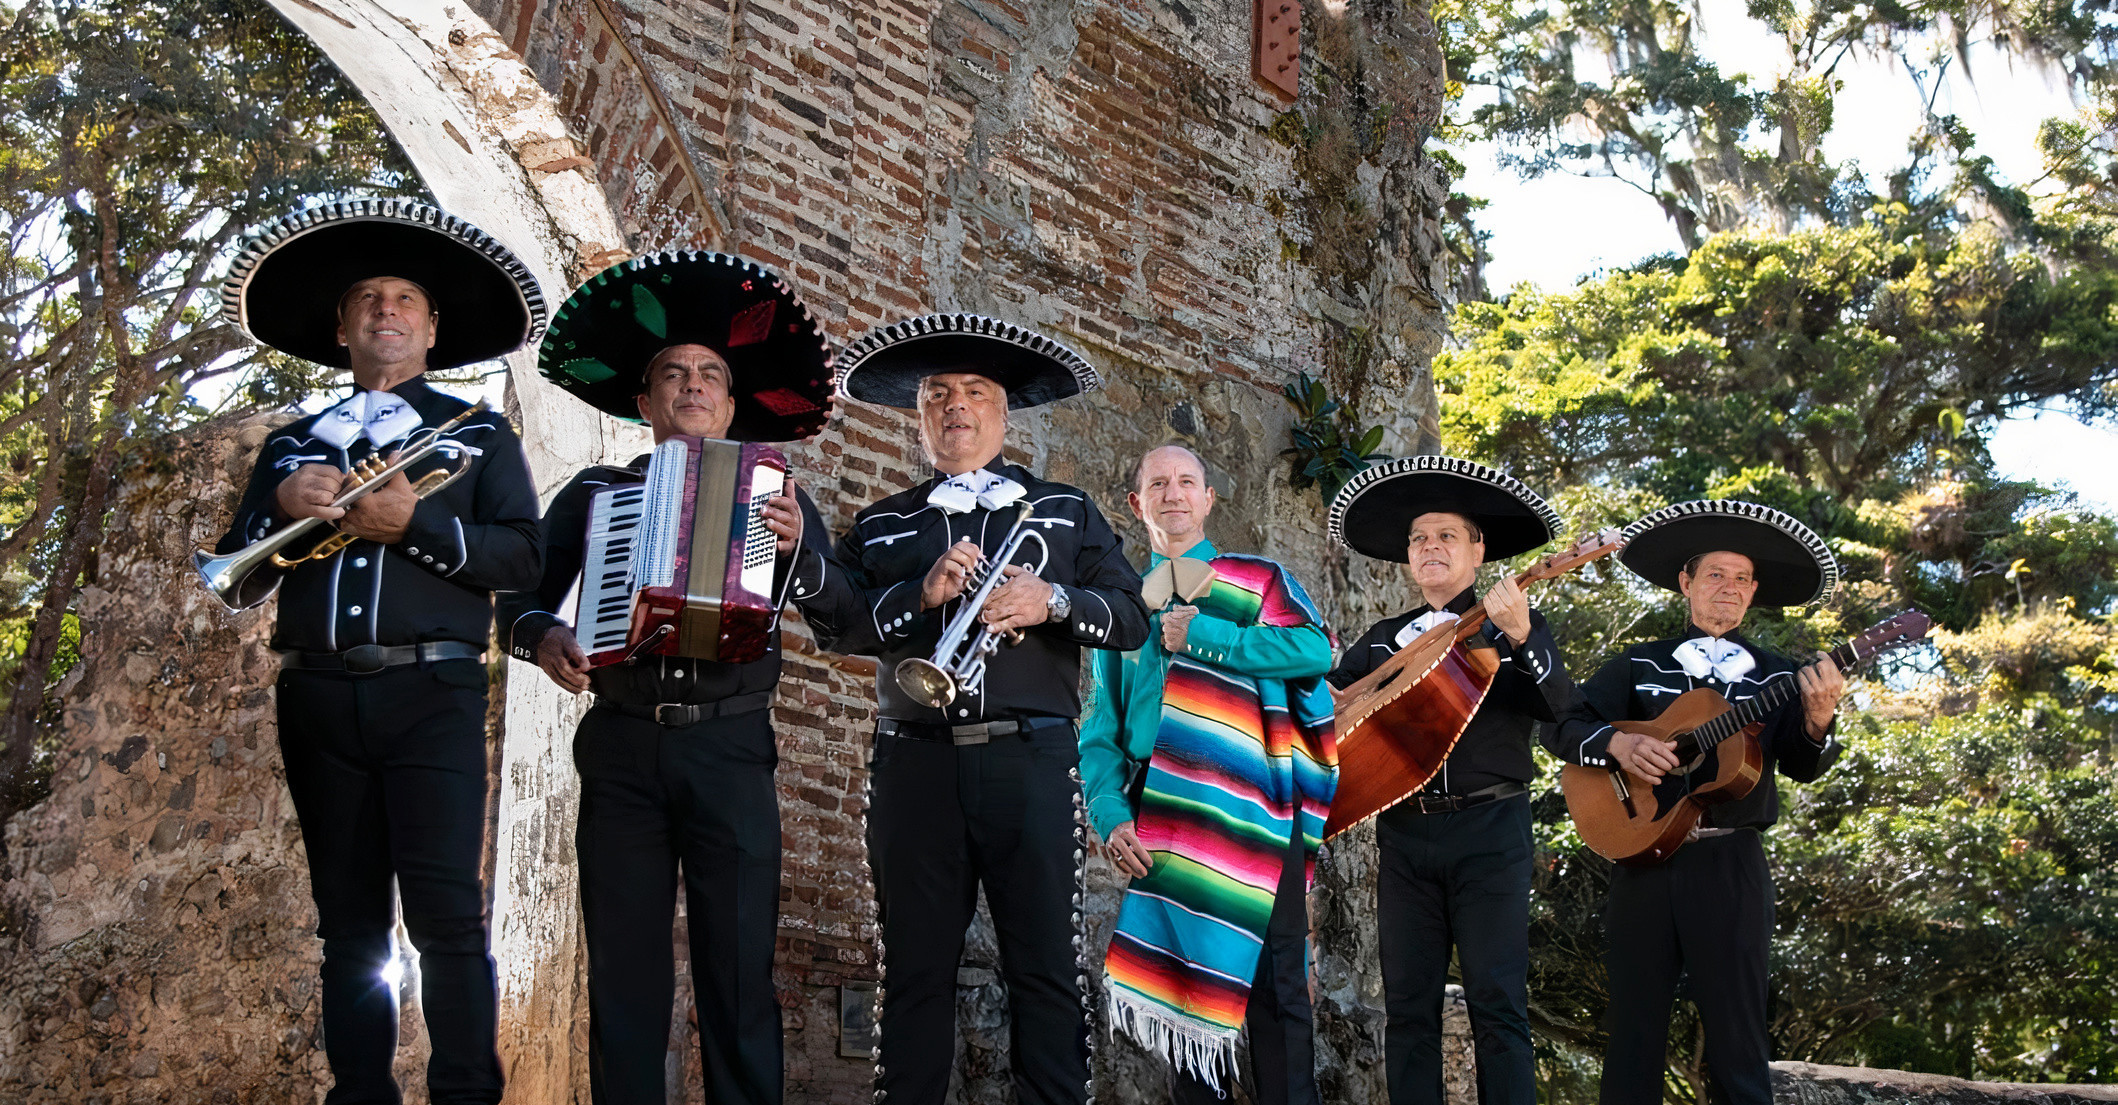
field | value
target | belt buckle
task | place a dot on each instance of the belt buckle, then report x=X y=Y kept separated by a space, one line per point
x=1437 y=803
x=671 y=714
x=962 y=735
x=362 y=659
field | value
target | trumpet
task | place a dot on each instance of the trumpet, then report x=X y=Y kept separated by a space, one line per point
x=228 y=577
x=959 y=660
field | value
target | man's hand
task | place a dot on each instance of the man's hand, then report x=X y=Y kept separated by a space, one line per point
x=307 y=492
x=946 y=578
x=1125 y=850
x=1822 y=685
x=1507 y=608
x=382 y=515
x=1176 y=626
x=1022 y=601
x=561 y=658
x=783 y=516
x=1644 y=755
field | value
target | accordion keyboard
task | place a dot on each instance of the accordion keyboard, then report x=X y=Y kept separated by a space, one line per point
x=615 y=528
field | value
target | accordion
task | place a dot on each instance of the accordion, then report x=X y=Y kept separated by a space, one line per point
x=681 y=564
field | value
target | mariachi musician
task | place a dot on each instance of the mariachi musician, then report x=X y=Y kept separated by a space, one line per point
x=676 y=755
x=382 y=688
x=1199 y=956
x=1723 y=556
x=974 y=784
x=1455 y=856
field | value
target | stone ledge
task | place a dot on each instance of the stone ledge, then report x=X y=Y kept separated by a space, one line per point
x=1811 y=1084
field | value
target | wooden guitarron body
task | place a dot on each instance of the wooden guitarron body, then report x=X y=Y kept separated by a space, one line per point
x=1400 y=721
x=1625 y=818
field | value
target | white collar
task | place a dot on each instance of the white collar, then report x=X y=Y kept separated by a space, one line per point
x=1719 y=657
x=975 y=489
x=380 y=416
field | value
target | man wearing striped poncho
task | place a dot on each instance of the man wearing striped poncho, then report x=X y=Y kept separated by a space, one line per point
x=1208 y=761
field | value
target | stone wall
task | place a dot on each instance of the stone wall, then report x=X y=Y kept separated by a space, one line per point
x=1102 y=168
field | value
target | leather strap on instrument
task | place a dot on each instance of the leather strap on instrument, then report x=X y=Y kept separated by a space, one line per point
x=369 y=659
x=676 y=714
x=1427 y=801
x=980 y=733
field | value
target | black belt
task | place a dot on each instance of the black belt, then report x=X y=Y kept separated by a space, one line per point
x=966 y=734
x=673 y=714
x=1428 y=801
x=369 y=659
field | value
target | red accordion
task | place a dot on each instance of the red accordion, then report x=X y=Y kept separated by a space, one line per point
x=682 y=564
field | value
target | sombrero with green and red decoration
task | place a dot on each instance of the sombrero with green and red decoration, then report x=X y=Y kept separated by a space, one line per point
x=604 y=335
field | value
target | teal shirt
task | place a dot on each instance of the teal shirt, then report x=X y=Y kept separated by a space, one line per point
x=1125 y=691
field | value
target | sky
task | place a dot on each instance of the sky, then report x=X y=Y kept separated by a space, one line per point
x=1553 y=231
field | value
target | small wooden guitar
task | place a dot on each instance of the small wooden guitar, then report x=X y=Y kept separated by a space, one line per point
x=1398 y=723
x=1625 y=818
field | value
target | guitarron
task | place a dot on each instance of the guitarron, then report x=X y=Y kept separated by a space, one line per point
x=1400 y=721
x=1626 y=819
x=681 y=564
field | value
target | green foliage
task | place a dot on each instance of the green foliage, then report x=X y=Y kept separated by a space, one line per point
x=1328 y=447
x=141 y=141
x=1838 y=355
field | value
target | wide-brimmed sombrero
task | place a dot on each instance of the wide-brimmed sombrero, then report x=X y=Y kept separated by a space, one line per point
x=1373 y=513
x=286 y=283
x=886 y=364
x=1792 y=564
x=605 y=334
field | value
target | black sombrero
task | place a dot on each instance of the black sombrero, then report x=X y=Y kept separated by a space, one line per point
x=612 y=326
x=1373 y=513
x=286 y=283
x=886 y=365
x=1793 y=565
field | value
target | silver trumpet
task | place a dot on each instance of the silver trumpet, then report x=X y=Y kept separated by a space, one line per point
x=959 y=660
x=229 y=577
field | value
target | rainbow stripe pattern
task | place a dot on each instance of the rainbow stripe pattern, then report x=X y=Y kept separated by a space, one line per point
x=1239 y=763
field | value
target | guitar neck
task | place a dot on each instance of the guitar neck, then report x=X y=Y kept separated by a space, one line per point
x=1742 y=715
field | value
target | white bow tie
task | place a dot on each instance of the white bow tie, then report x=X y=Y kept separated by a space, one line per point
x=378 y=415
x=974 y=489
x=1421 y=624
x=1726 y=661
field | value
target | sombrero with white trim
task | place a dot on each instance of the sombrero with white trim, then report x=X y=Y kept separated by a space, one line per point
x=1792 y=564
x=604 y=335
x=286 y=283
x=886 y=364
x=1373 y=513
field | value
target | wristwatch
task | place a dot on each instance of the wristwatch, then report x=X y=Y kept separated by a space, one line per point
x=1059 y=605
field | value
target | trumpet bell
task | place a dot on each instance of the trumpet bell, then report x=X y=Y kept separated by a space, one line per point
x=233 y=579
x=926 y=683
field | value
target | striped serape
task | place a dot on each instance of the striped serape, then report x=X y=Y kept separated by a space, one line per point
x=1237 y=760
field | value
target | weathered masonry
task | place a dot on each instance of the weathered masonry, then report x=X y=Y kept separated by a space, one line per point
x=1114 y=172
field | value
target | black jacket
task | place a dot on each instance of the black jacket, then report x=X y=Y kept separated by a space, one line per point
x=1641 y=682
x=1531 y=686
x=528 y=615
x=477 y=536
x=886 y=556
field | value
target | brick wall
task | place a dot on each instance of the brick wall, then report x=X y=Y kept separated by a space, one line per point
x=1104 y=170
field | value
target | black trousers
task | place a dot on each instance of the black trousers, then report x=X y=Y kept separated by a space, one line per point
x=1281 y=1022
x=388 y=775
x=942 y=820
x=656 y=801
x=1458 y=880
x=1705 y=914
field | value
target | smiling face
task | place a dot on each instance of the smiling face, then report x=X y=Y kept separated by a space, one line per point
x=1446 y=551
x=687 y=392
x=1719 y=586
x=387 y=324
x=1173 y=498
x=963 y=418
